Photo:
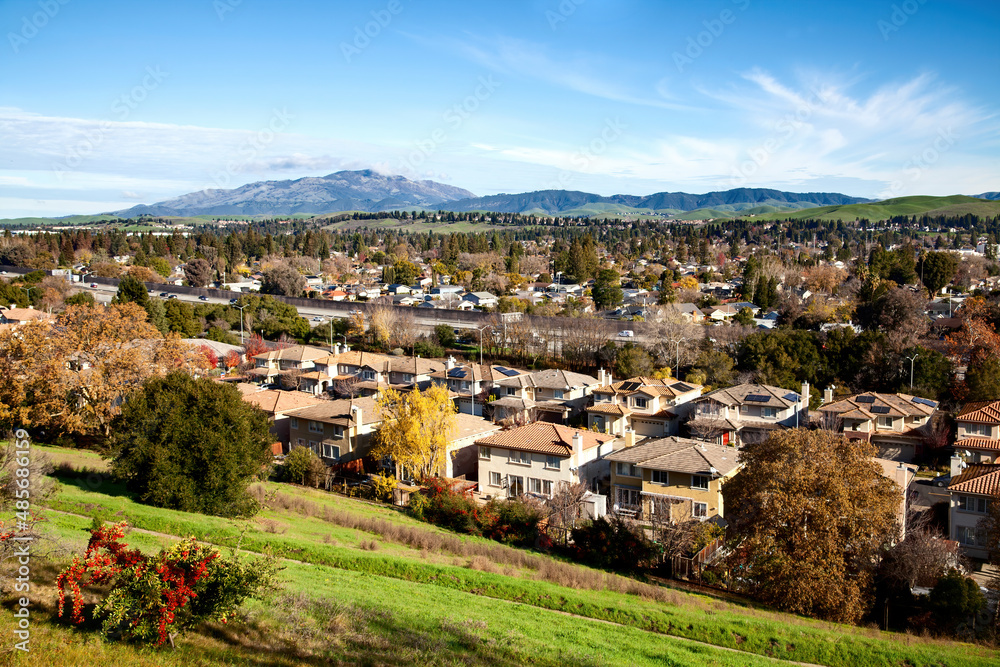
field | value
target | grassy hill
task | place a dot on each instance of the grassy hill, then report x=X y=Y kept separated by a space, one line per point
x=953 y=205
x=366 y=584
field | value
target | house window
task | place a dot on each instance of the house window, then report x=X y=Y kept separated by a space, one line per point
x=294 y=422
x=639 y=402
x=552 y=462
x=699 y=510
x=977 y=429
x=885 y=421
x=745 y=409
x=495 y=479
x=699 y=482
x=300 y=442
x=465 y=385
x=331 y=452
x=547 y=487
x=407 y=377
x=970 y=536
x=628 y=470
x=627 y=497
x=709 y=408
x=515 y=485
x=315 y=427
x=768 y=413
x=368 y=375
x=313 y=445
x=511 y=391
x=519 y=457
x=557 y=393
x=659 y=477
x=484 y=453
x=972 y=504
x=534 y=485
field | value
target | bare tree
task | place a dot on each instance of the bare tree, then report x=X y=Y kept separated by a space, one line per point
x=347 y=387
x=707 y=426
x=403 y=329
x=564 y=505
x=924 y=555
x=582 y=340
x=381 y=323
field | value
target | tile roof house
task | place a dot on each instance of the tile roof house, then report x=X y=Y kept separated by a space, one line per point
x=677 y=476
x=650 y=407
x=972 y=489
x=898 y=424
x=472 y=384
x=978 y=431
x=733 y=415
x=551 y=395
x=366 y=373
x=14 y=315
x=277 y=404
x=462 y=456
x=338 y=431
x=535 y=458
x=273 y=363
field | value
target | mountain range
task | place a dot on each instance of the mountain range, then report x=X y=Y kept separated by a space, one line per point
x=371 y=191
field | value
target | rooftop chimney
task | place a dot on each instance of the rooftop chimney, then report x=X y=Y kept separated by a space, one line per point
x=449 y=363
x=957 y=466
x=828 y=394
x=578 y=446
x=630 y=438
x=356 y=416
x=336 y=348
x=600 y=377
x=805 y=398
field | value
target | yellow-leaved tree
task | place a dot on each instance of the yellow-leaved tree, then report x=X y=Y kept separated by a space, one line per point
x=416 y=429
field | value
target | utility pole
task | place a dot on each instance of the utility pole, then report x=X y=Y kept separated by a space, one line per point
x=241 y=320
x=912 y=359
x=480 y=330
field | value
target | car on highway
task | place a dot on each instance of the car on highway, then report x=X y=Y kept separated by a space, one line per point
x=203 y=298
x=172 y=296
x=164 y=294
x=942 y=480
x=233 y=302
x=93 y=284
x=317 y=319
x=627 y=333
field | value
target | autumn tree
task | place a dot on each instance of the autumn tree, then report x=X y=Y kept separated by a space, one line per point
x=282 y=279
x=191 y=445
x=416 y=429
x=809 y=515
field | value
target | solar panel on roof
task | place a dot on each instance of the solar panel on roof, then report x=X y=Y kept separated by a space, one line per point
x=680 y=386
x=865 y=399
x=758 y=398
x=924 y=401
x=510 y=372
x=631 y=386
x=880 y=409
x=456 y=373
x=791 y=396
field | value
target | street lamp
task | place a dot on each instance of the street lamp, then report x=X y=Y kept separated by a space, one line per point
x=912 y=359
x=241 y=319
x=27 y=290
x=480 y=330
x=677 y=352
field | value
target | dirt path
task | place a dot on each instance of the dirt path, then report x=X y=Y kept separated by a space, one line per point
x=695 y=642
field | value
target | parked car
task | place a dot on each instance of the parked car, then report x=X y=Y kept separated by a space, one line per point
x=942 y=480
x=627 y=333
x=172 y=296
x=203 y=298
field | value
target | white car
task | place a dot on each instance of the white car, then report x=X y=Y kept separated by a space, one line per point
x=627 y=333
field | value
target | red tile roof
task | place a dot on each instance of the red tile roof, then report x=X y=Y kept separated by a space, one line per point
x=981 y=479
x=981 y=411
x=544 y=438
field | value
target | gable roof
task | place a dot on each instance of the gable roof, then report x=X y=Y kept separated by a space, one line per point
x=650 y=386
x=294 y=353
x=981 y=479
x=551 y=378
x=860 y=406
x=339 y=412
x=277 y=401
x=544 y=438
x=680 y=455
x=987 y=412
x=737 y=396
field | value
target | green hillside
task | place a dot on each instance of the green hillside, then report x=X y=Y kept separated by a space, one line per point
x=953 y=205
x=367 y=585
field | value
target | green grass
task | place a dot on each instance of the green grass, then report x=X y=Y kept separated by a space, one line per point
x=414 y=593
x=954 y=205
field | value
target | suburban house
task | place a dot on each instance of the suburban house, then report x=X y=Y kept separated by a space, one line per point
x=462 y=458
x=345 y=371
x=277 y=404
x=903 y=475
x=972 y=489
x=687 y=312
x=535 y=458
x=671 y=478
x=15 y=315
x=897 y=424
x=471 y=384
x=736 y=414
x=338 y=431
x=288 y=361
x=978 y=431
x=650 y=407
x=550 y=395
x=481 y=299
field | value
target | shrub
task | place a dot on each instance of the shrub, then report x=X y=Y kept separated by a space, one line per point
x=513 y=521
x=302 y=466
x=508 y=521
x=612 y=544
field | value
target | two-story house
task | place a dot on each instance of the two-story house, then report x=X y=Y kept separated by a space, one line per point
x=481 y=299
x=338 y=431
x=676 y=477
x=738 y=414
x=471 y=385
x=972 y=489
x=550 y=395
x=535 y=458
x=365 y=373
x=978 y=431
x=277 y=404
x=897 y=424
x=650 y=407
x=290 y=362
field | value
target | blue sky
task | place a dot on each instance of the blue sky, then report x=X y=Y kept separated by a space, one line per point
x=107 y=104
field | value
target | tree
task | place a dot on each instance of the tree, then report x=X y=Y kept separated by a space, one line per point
x=416 y=429
x=633 y=361
x=445 y=335
x=302 y=466
x=283 y=280
x=131 y=290
x=80 y=299
x=954 y=599
x=191 y=445
x=607 y=289
x=936 y=269
x=198 y=272
x=744 y=317
x=809 y=514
